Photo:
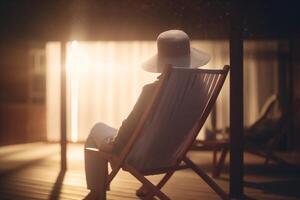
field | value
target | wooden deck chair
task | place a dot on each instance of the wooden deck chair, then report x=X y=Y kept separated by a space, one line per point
x=159 y=144
x=261 y=138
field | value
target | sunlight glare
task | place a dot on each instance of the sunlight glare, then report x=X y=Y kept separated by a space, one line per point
x=74 y=60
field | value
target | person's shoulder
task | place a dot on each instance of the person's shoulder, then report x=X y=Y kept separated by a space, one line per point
x=150 y=86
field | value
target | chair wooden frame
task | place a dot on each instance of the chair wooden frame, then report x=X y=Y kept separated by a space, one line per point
x=222 y=146
x=119 y=161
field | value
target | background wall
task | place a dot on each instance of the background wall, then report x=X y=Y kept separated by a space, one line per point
x=22 y=114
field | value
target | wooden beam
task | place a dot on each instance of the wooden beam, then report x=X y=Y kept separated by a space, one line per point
x=285 y=90
x=63 y=107
x=236 y=104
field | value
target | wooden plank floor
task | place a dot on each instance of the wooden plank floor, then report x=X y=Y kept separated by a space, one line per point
x=31 y=171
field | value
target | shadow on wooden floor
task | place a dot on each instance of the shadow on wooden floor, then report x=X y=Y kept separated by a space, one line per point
x=287 y=188
x=286 y=184
x=56 y=190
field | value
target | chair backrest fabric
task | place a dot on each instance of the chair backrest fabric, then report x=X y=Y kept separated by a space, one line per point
x=181 y=105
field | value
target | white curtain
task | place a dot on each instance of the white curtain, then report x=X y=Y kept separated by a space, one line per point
x=104 y=80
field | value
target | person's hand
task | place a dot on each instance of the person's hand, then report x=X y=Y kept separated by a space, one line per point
x=107 y=146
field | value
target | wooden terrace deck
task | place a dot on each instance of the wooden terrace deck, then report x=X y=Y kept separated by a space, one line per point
x=31 y=171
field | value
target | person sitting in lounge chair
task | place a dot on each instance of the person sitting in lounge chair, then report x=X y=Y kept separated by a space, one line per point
x=174 y=49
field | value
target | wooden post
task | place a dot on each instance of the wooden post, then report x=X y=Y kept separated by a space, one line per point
x=285 y=90
x=236 y=104
x=63 y=107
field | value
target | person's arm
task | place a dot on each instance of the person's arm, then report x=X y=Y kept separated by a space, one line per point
x=133 y=118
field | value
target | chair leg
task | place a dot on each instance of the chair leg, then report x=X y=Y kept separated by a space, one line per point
x=111 y=175
x=218 y=167
x=215 y=154
x=207 y=179
x=161 y=183
x=153 y=189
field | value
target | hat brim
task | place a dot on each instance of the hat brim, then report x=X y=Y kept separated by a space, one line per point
x=196 y=58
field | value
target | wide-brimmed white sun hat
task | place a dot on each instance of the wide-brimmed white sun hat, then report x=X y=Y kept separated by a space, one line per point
x=173 y=48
